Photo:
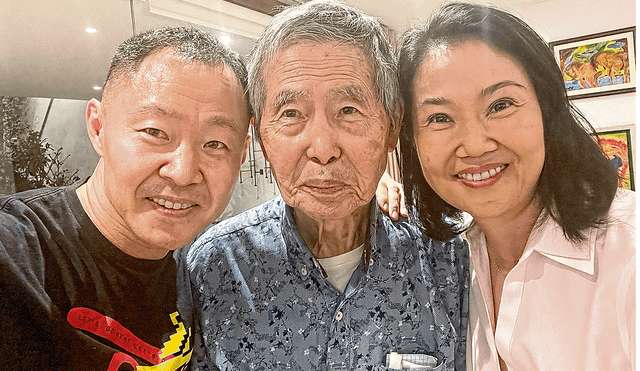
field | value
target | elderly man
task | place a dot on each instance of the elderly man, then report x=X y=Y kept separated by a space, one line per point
x=87 y=276
x=318 y=278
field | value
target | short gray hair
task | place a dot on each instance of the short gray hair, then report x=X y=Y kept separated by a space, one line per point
x=190 y=44
x=326 y=21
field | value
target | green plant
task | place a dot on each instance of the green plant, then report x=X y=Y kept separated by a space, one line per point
x=36 y=163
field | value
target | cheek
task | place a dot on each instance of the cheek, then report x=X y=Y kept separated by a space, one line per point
x=431 y=151
x=532 y=138
x=283 y=157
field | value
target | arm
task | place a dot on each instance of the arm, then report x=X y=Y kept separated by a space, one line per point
x=26 y=318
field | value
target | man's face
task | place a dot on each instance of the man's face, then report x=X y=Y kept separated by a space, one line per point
x=172 y=140
x=323 y=129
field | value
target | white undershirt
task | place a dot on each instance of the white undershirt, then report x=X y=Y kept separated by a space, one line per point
x=340 y=268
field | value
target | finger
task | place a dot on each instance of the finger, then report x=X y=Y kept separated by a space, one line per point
x=403 y=204
x=394 y=202
x=383 y=200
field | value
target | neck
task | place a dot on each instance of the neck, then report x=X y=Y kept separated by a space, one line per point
x=94 y=201
x=333 y=237
x=507 y=236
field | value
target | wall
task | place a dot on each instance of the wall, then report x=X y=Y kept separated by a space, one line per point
x=563 y=19
x=65 y=127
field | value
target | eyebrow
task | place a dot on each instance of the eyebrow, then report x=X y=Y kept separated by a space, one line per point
x=434 y=101
x=350 y=91
x=155 y=110
x=222 y=122
x=438 y=101
x=287 y=96
x=495 y=87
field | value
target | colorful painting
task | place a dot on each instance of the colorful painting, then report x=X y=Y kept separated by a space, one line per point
x=617 y=146
x=597 y=64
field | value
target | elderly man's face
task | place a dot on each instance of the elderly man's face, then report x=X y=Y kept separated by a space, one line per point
x=323 y=129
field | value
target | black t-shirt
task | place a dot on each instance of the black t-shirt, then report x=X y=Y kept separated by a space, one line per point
x=69 y=299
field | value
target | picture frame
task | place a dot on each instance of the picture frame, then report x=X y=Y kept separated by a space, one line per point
x=617 y=144
x=597 y=64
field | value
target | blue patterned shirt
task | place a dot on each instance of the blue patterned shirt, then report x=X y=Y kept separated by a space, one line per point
x=263 y=304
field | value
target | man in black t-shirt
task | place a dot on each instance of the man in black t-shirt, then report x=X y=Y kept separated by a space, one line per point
x=88 y=277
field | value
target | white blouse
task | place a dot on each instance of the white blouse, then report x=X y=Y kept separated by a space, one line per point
x=564 y=306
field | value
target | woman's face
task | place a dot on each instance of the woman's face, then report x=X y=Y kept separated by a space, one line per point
x=478 y=130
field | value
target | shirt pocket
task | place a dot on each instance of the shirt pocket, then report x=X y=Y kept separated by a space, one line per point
x=413 y=361
x=412 y=354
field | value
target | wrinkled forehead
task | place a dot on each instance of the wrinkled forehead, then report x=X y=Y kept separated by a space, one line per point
x=343 y=63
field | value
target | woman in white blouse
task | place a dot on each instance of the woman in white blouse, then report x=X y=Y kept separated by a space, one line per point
x=489 y=130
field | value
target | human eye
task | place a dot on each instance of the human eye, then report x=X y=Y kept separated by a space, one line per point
x=435 y=121
x=215 y=144
x=157 y=133
x=290 y=113
x=500 y=105
x=438 y=118
x=348 y=110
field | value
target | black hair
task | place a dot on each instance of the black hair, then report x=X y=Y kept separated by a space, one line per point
x=190 y=44
x=577 y=183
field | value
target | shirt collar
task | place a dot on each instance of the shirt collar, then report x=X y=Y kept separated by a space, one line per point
x=547 y=238
x=299 y=255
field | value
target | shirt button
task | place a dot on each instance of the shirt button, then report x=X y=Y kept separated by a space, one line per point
x=303 y=270
x=371 y=262
x=338 y=316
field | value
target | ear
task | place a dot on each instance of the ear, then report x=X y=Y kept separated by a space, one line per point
x=394 y=133
x=246 y=143
x=264 y=153
x=95 y=121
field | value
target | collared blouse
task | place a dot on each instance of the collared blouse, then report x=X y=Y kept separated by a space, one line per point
x=564 y=306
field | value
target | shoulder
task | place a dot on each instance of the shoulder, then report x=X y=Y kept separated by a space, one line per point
x=25 y=230
x=619 y=231
x=623 y=208
x=258 y=223
x=265 y=212
x=618 y=235
x=28 y=209
x=404 y=231
x=28 y=199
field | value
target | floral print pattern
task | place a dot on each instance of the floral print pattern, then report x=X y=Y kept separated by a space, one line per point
x=262 y=303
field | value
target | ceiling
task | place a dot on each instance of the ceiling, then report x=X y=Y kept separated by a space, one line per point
x=45 y=51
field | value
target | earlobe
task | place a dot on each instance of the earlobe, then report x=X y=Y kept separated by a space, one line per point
x=94 y=118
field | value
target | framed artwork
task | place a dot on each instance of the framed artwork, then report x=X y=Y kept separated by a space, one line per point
x=617 y=146
x=598 y=64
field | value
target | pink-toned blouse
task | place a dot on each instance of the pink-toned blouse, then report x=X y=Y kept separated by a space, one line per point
x=564 y=306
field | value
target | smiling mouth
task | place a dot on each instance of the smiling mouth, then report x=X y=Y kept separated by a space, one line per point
x=171 y=205
x=476 y=177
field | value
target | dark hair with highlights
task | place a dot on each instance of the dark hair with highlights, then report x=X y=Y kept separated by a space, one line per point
x=577 y=183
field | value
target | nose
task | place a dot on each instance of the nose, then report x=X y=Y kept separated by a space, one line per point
x=182 y=166
x=323 y=147
x=475 y=139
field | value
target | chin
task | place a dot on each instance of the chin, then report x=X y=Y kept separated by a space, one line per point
x=335 y=211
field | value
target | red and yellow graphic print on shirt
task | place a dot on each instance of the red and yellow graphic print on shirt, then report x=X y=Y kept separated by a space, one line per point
x=174 y=355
